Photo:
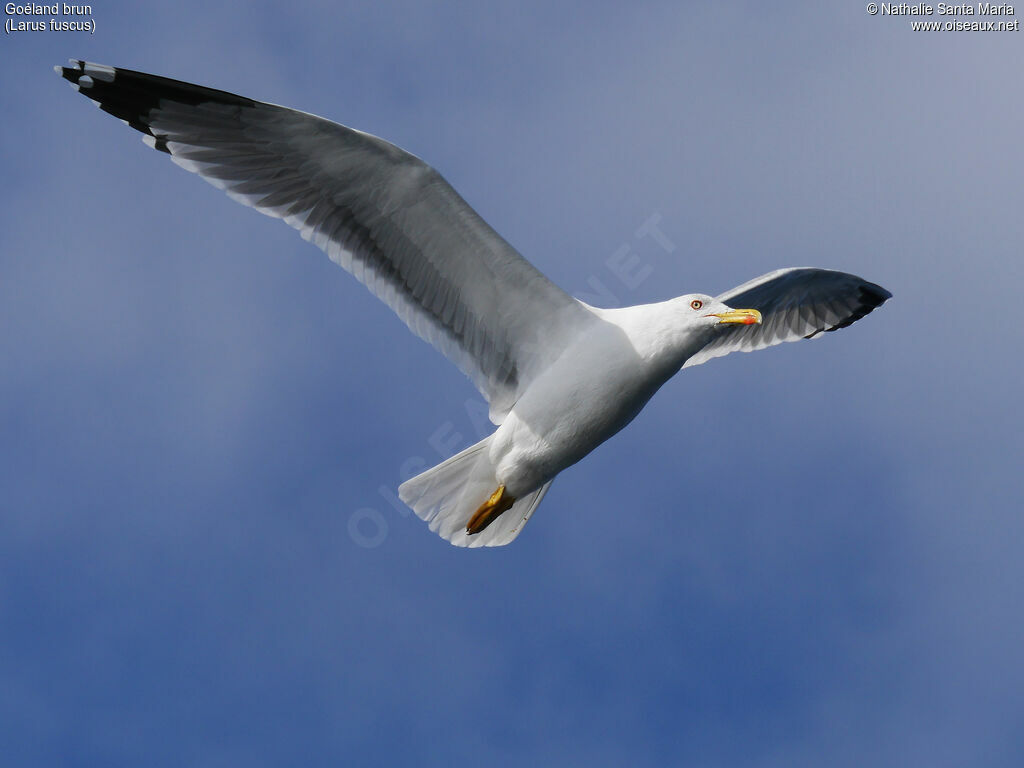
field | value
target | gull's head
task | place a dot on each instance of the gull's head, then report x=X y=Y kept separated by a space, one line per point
x=706 y=312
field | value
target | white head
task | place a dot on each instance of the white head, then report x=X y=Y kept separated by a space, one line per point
x=701 y=311
x=674 y=330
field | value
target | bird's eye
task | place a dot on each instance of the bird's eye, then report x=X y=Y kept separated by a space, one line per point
x=696 y=304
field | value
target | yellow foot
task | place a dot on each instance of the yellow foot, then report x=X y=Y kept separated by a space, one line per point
x=489 y=510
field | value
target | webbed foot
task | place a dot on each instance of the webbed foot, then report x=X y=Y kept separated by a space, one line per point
x=489 y=510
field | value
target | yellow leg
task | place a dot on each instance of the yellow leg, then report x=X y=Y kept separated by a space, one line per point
x=489 y=510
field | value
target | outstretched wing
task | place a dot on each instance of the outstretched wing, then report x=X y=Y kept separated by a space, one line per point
x=381 y=213
x=795 y=303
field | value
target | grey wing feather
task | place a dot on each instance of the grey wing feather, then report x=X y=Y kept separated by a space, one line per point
x=381 y=213
x=795 y=303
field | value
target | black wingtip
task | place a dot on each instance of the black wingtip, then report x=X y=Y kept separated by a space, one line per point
x=875 y=293
x=870 y=297
x=131 y=96
x=72 y=73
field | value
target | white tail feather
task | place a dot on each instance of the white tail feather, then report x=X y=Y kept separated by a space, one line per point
x=447 y=495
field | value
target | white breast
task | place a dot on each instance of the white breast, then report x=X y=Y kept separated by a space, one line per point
x=592 y=391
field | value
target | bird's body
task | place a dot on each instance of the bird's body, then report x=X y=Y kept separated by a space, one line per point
x=597 y=386
x=561 y=377
x=611 y=367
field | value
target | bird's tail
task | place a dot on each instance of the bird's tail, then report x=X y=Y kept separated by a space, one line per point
x=447 y=495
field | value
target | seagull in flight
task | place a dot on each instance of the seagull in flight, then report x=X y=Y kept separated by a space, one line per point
x=559 y=375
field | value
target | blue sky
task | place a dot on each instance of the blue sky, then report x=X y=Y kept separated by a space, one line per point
x=195 y=404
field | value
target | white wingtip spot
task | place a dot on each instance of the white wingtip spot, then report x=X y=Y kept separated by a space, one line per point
x=76 y=63
x=85 y=81
x=100 y=72
x=58 y=69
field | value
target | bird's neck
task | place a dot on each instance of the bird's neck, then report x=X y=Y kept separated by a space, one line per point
x=659 y=333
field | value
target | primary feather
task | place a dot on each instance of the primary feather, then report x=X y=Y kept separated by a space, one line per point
x=378 y=211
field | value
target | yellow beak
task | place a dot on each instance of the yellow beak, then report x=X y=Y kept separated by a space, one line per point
x=739 y=316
